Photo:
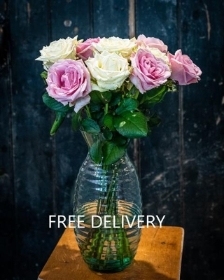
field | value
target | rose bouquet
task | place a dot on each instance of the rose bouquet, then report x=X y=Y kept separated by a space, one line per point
x=110 y=86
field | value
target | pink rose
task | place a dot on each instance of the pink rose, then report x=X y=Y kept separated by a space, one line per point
x=184 y=71
x=151 y=42
x=85 y=50
x=69 y=82
x=148 y=71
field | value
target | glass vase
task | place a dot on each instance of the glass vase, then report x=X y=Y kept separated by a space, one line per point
x=107 y=203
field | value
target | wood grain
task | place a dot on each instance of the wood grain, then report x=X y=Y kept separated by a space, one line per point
x=6 y=153
x=203 y=145
x=158 y=257
x=31 y=145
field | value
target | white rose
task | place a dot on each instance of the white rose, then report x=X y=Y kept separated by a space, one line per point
x=108 y=70
x=115 y=44
x=60 y=49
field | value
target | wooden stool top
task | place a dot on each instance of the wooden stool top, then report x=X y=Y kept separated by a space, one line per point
x=158 y=257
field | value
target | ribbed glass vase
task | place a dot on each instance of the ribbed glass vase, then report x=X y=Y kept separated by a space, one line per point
x=107 y=202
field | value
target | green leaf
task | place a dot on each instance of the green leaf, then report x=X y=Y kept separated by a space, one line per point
x=108 y=121
x=153 y=96
x=97 y=115
x=100 y=121
x=128 y=104
x=95 y=151
x=95 y=97
x=58 y=121
x=133 y=91
x=106 y=96
x=75 y=120
x=91 y=126
x=54 y=104
x=131 y=124
x=146 y=105
x=44 y=75
x=94 y=107
x=120 y=140
x=107 y=134
x=98 y=97
x=112 y=152
x=115 y=98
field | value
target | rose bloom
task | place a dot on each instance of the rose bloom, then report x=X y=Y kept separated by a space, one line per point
x=109 y=70
x=60 y=49
x=148 y=71
x=85 y=50
x=69 y=82
x=115 y=44
x=184 y=71
x=151 y=42
x=157 y=53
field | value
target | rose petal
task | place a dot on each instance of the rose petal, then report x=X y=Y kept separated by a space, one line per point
x=81 y=102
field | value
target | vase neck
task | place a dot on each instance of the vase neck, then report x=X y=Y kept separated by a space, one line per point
x=91 y=138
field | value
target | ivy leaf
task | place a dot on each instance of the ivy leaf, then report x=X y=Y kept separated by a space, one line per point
x=96 y=151
x=128 y=104
x=54 y=104
x=91 y=126
x=60 y=116
x=131 y=124
x=112 y=152
x=153 y=96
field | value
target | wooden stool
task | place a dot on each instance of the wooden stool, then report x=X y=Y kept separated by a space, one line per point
x=158 y=257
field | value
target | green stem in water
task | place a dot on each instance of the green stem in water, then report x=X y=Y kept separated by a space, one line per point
x=99 y=236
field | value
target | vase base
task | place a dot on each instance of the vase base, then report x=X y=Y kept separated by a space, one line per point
x=108 y=266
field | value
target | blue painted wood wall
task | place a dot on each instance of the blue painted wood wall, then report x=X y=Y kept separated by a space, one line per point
x=181 y=166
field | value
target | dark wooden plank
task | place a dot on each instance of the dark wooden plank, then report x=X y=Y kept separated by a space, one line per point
x=32 y=147
x=110 y=18
x=159 y=152
x=69 y=19
x=7 y=217
x=203 y=166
